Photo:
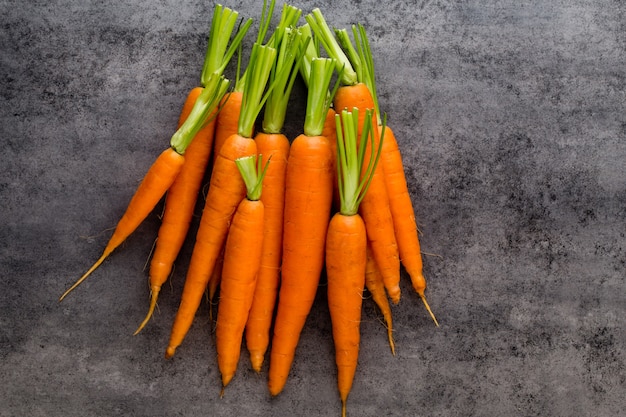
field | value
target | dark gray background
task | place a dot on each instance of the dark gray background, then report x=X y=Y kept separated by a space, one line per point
x=511 y=119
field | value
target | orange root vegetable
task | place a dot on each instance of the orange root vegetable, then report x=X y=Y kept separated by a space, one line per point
x=308 y=200
x=157 y=180
x=274 y=147
x=242 y=258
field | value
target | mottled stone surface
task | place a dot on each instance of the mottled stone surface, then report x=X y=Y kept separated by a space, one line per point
x=511 y=120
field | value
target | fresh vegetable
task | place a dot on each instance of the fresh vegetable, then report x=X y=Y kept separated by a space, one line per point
x=242 y=258
x=181 y=197
x=403 y=214
x=226 y=190
x=375 y=206
x=163 y=171
x=308 y=199
x=346 y=243
x=273 y=144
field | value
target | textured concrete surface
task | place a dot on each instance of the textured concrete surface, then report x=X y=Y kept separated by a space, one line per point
x=511 y=118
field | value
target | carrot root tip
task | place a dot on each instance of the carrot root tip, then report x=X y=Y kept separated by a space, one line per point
x=432 y=315
x=169 y=352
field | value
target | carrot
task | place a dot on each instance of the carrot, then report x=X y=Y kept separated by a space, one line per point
x=226 y=190
x=346 y=245
x=375 y=286
x=274 y=145
x=181 y=197
x=161 y=174
x=308 y=199
x=405 y=226
x=242 y=259
x=375 y=209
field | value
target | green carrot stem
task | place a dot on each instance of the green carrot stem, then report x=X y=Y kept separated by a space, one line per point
x=202 y=112
x=320 y=28
x=318 y=99
x=218 y=52
x=261 y=62
x=352 y=179
x=252 y=173
x=291 y=45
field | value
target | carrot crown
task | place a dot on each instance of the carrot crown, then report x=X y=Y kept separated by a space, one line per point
x=318 y=99
x=218 y=53
x=327 y=39
x=290 y=51
x=353 y=179
x=261 y=62
x=266 y=13
x=252 y=173
x=201 y=113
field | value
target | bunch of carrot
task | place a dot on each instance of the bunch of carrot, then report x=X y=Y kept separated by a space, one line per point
x=280 y=212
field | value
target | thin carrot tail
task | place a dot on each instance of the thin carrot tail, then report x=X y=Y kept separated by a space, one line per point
x=154 y=295
x=432 y=315
x=343 y=408
x=104 y=255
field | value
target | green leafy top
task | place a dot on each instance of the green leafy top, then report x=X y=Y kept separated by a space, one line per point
x=353 y=179
x=291 y=46
x=327 y=39
x=201 y=113
x=218 y=53
x=252 y=173
x=262 y=60
x=318 y=98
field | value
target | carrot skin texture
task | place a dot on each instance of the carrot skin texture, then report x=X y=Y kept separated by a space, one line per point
x=375 y=208
x=242 y=258
x=376 y=287
x=226 y=190
x=180 y=202
x=345 y=266
x=227 y=120
x=274 y=147
x=308 y=199
x=152 y=188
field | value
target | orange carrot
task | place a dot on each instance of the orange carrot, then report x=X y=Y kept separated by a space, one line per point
x=308 y=199
x=181 y=197
x=346 y=245
x=375 y=209
x=375 y=286
x=226 y=190
x=274 y=145
x=242 y=258
x=161 y=174
x=400 y=203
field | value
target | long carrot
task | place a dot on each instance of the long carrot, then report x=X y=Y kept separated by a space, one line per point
x=376 y=287
x=308 y=199
x=346 y=245
x=375 y=209
x=273 y=144
x=400 y=203
x=181 y=197
x=161 y=174
x=242 y=258
x=226 y=190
